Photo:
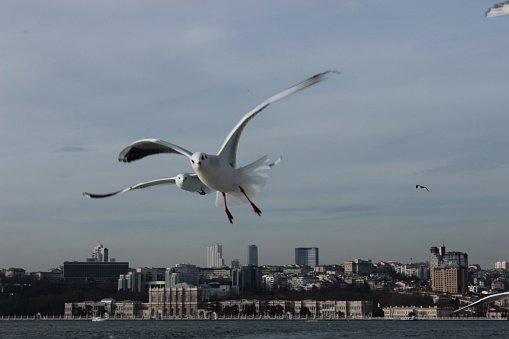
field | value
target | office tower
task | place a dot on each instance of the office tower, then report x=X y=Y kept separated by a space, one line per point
x=306 y=256
x=140 y=279
x=215 y=256
x=235 y=263
x=182 y=273
x=127 y=282
x=246 y=278
x=252 y=255
x=449 y=270
x=94 y=271
x=100 y=254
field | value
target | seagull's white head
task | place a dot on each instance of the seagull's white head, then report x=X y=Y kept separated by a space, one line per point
x=181 y=180
x=199 y=159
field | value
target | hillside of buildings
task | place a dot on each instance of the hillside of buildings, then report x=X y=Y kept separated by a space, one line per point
x=92 y=287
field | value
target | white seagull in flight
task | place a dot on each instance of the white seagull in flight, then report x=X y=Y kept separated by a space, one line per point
x=185 y=181
x=220 y=171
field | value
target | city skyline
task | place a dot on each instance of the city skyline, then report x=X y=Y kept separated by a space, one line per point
x=436 y=255
x=421 y=99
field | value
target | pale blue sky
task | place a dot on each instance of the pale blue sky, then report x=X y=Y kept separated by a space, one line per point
x=422 y=99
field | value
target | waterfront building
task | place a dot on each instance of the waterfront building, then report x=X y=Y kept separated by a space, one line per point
x=215 y=256
x=181 y=300
x=105 y=308
x=307 y=256
x=419 y=312
x=347 y=309
x=252 y=255
x=189 y=301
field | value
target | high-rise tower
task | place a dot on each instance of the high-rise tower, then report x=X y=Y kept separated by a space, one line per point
x=448 y=270
x=100 y=254
x=252 y=255
x=306 y=256
x=215 y=256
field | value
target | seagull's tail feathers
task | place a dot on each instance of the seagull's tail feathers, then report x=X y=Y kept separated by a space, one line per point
x=254 y=177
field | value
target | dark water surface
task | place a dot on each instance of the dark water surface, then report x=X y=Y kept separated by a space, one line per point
x=249 y=329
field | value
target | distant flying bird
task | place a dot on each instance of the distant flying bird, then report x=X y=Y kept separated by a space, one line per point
x=498 y=10
x=185 y=181
x=220 y=172
x=485 y=300
x=419 y=186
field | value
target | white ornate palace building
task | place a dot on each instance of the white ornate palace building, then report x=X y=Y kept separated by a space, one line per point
x=189 y=301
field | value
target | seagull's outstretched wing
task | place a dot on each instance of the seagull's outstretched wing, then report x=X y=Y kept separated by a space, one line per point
x=141 y=185
x=485 y=300
x=278 y=160
x=229 y=149
x=498 y=10
x=142 y=148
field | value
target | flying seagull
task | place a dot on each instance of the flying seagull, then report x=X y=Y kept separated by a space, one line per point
x=220 y=172
x=485 y=300
x=419 y=186
x=185 y=181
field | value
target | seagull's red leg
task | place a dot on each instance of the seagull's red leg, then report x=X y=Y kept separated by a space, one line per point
x=228 y=214
x=256 y=209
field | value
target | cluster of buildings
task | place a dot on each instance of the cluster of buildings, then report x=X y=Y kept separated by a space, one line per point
x=187 y=290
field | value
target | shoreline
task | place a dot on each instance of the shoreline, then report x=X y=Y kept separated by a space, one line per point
x=311 y=320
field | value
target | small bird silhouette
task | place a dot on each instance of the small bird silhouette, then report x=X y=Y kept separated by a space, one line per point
x=419 y=186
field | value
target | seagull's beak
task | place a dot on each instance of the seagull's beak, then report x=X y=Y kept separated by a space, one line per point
x=198 y=163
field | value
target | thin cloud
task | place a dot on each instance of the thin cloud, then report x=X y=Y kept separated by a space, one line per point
x=472 y=164
x=74 y=149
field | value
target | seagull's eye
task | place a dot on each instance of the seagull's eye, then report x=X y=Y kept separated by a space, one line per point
x=192 y=161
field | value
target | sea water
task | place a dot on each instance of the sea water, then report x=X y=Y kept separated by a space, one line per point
x=251 y=329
